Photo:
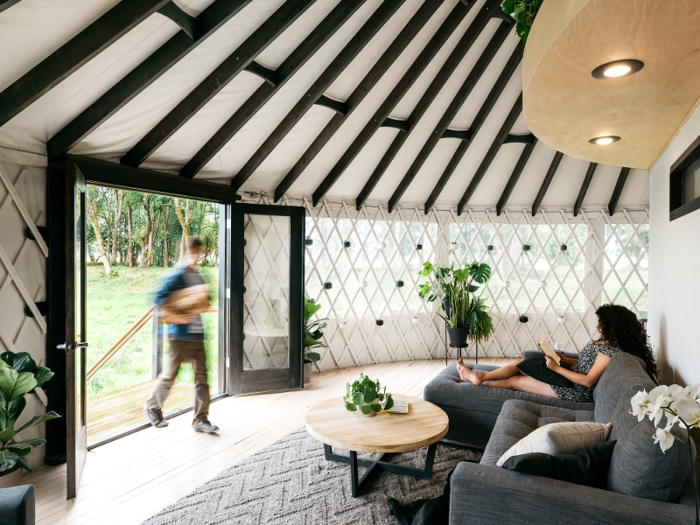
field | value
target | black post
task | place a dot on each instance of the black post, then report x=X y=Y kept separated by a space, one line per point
x=57 y=194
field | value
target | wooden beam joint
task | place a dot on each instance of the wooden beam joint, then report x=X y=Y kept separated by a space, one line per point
x=335 y=105
x=402 y=125
x=189 y=24
x=267 y=74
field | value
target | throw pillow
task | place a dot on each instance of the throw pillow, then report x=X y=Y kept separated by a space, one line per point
x=559 y=438
x=536 y=366
x=587 y=467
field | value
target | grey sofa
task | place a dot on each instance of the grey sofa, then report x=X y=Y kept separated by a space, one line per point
x=17 y=505
x=644 y=486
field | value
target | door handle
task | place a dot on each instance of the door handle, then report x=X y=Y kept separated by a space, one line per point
x=66 y=346
x=81 y=345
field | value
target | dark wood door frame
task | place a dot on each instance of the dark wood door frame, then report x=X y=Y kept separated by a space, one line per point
x=59 y=195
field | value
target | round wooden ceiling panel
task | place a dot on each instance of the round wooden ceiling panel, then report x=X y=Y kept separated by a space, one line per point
x=565 y=106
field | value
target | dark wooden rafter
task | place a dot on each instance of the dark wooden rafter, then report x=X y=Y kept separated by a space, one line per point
x=547 y=181
x=416 y=23
x=311 y=44
x=521 y=139
x=73 y=54
x=621 y=180
x=142 y=76
x=448 y=116
x=515 y=176
x=446 y=71
x=402 y=125
x=267 y=74
x=121 y=176
x=491 y=153
x=383 y=13
x=187 y=23
x=476 y=125
x=461 y=134
x=261 y=38
x=7 y=4
x=584 y=187
x=339 y=107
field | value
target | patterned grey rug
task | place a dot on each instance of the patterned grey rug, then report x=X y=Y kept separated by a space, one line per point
x=290 y=482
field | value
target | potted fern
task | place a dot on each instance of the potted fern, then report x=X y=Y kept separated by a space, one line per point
x=312 y=337
x=454 y=287
x=19 y=375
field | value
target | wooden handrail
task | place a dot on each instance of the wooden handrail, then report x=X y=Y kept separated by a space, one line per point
x=126 y=336
x=131 y=332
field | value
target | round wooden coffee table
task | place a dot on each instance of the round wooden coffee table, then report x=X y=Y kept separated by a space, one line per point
x=335 y=426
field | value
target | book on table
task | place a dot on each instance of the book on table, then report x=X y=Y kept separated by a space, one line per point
x=544 y=345
x=400 y=407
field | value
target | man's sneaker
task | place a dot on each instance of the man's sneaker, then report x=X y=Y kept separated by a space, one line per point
x=156 y=418
x=203 y=425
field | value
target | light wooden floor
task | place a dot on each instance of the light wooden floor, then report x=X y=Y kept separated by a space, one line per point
x=124 y=408
x=129 y=480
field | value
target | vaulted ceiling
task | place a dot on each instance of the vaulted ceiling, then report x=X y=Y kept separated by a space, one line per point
x=394 y=102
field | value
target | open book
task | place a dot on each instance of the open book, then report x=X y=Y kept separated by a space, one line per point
x=544 y=345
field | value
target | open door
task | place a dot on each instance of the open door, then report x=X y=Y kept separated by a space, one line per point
x=75 y=346
x=267 y=298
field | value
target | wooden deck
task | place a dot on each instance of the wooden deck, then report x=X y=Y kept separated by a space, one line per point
x=130 y=479
x=123 y=408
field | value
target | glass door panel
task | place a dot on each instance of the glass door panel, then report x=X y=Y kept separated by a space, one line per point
x=266 y=297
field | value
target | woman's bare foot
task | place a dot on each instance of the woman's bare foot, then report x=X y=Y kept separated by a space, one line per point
x=467 y=374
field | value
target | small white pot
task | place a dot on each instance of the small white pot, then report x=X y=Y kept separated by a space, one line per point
x=308 y=370
x=12 y=479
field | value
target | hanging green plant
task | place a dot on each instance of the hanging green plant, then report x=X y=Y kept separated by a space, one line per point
x=523 y=12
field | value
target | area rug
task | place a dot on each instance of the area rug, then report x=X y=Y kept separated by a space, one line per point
x=290 y=482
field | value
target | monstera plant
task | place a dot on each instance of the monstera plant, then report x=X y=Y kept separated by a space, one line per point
x=19 y=375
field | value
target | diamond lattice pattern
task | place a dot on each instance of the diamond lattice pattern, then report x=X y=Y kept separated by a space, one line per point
x=371 y=259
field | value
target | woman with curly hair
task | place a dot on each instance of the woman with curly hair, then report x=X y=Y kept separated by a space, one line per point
x=619 y=331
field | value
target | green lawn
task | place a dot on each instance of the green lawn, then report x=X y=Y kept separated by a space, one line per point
x=114 y=304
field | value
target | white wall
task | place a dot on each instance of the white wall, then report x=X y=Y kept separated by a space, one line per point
x=19 y=333
x=674 y=272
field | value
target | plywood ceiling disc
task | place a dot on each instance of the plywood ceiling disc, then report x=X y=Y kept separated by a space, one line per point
x=565 y=106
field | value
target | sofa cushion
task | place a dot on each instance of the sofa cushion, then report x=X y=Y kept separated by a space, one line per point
x=564 y=437
x=473 y=410
x=638 y=467
x=625 y=371
x=519 y=418
x=587 y=467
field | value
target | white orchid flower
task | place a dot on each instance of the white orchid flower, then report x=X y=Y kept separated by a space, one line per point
x=640 y=404
x=687 y=409
x=664 y=438
x=694 y=392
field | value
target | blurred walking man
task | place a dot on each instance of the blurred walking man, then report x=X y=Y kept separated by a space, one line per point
x=186 y=291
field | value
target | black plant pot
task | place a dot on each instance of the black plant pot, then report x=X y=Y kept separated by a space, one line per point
x=458 y=337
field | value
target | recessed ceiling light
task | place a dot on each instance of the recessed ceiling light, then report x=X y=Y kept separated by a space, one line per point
x=603 y=141
x=618 y=69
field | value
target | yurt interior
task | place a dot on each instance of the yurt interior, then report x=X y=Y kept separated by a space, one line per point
x=349 y=262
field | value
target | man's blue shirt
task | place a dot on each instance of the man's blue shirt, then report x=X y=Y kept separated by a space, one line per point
x=177 y=280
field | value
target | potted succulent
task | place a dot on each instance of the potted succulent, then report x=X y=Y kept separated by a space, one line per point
x=455 y=287
x=364 y=396
x=19 y=375
x=312 y=337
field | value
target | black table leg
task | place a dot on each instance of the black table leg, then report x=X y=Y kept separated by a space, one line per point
x=354 y=474
x=373 y=464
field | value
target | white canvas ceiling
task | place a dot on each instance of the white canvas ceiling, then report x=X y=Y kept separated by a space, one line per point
x=32 y=29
